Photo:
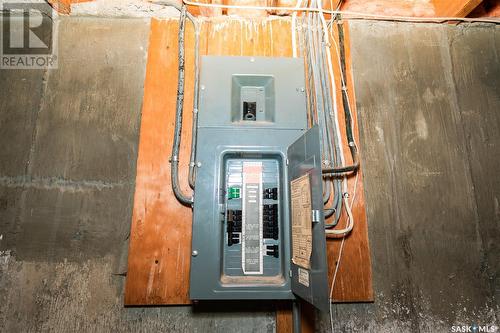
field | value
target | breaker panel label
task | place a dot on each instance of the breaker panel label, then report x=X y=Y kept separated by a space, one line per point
x=301 y=221
x=251 y=258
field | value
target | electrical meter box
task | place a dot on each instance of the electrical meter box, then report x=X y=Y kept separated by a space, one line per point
x=258 y=229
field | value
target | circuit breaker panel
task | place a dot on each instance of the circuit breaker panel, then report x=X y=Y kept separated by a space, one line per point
x=252 y=217
x=252 y=137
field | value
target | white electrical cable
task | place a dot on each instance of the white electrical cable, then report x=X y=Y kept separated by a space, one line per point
x=341 y=250
x=345 y=195
x=347 y=14
x=334 y=87
x=333 y=280
x=294 y=27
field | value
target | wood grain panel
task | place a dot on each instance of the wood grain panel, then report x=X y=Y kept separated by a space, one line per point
x=284 y=320
x=354 y=278
x=160 y=240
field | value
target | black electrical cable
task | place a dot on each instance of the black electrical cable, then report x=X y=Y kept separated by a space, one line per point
x=347 y=113
x=345 y=101
x=345 y=169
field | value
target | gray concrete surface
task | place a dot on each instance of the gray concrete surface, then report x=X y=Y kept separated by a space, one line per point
x=428 y=100
x=67 y=170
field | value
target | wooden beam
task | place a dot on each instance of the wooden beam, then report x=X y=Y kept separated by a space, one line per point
x=489 y=8
x=455 y=8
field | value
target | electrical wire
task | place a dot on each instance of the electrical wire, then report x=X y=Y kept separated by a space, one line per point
x=319 y=95
x=336 y=151
x=353 y=200
x=174 y=159
x=341 y=250
x=351 y=141
x=194 y=129
x=333 y=114
x=352 y=147
x=294 y=25
x=348 y=14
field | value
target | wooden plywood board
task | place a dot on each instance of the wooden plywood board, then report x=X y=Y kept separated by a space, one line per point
x=353 y=282
x=284 y=320
x=160 y=241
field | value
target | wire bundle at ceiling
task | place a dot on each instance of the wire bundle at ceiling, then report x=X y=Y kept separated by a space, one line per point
x=314 y=45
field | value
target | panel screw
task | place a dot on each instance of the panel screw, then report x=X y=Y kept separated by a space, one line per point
x=194 y=253
x=202 y=87
x=198 y=164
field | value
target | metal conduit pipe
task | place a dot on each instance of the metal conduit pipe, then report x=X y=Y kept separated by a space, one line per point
x=174 y=159
x=296 y=313
x=308 y=36
x=331 y=139
x=336 y=205
x=348 y=116
x=194 y=131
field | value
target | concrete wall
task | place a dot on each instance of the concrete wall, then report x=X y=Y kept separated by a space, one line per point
x=67 y=172
x=428 y=101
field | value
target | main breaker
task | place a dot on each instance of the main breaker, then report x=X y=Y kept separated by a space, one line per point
x=258 y=229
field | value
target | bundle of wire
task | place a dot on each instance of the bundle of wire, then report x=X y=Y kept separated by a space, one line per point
x=314 y=35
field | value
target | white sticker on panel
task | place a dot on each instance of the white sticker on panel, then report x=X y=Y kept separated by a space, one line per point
x=304 y=277
x=251 y=226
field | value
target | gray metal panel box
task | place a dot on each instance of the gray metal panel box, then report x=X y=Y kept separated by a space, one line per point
x=251 y=110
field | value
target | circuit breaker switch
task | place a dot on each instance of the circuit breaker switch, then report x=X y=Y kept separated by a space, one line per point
x=272 y=250
x=250 y=111
x=234 y=193
x=271 y=193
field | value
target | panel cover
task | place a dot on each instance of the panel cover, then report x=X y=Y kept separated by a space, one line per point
x=309 y=273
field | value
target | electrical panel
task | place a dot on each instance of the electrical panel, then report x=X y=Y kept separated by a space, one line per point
x=258 y=229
